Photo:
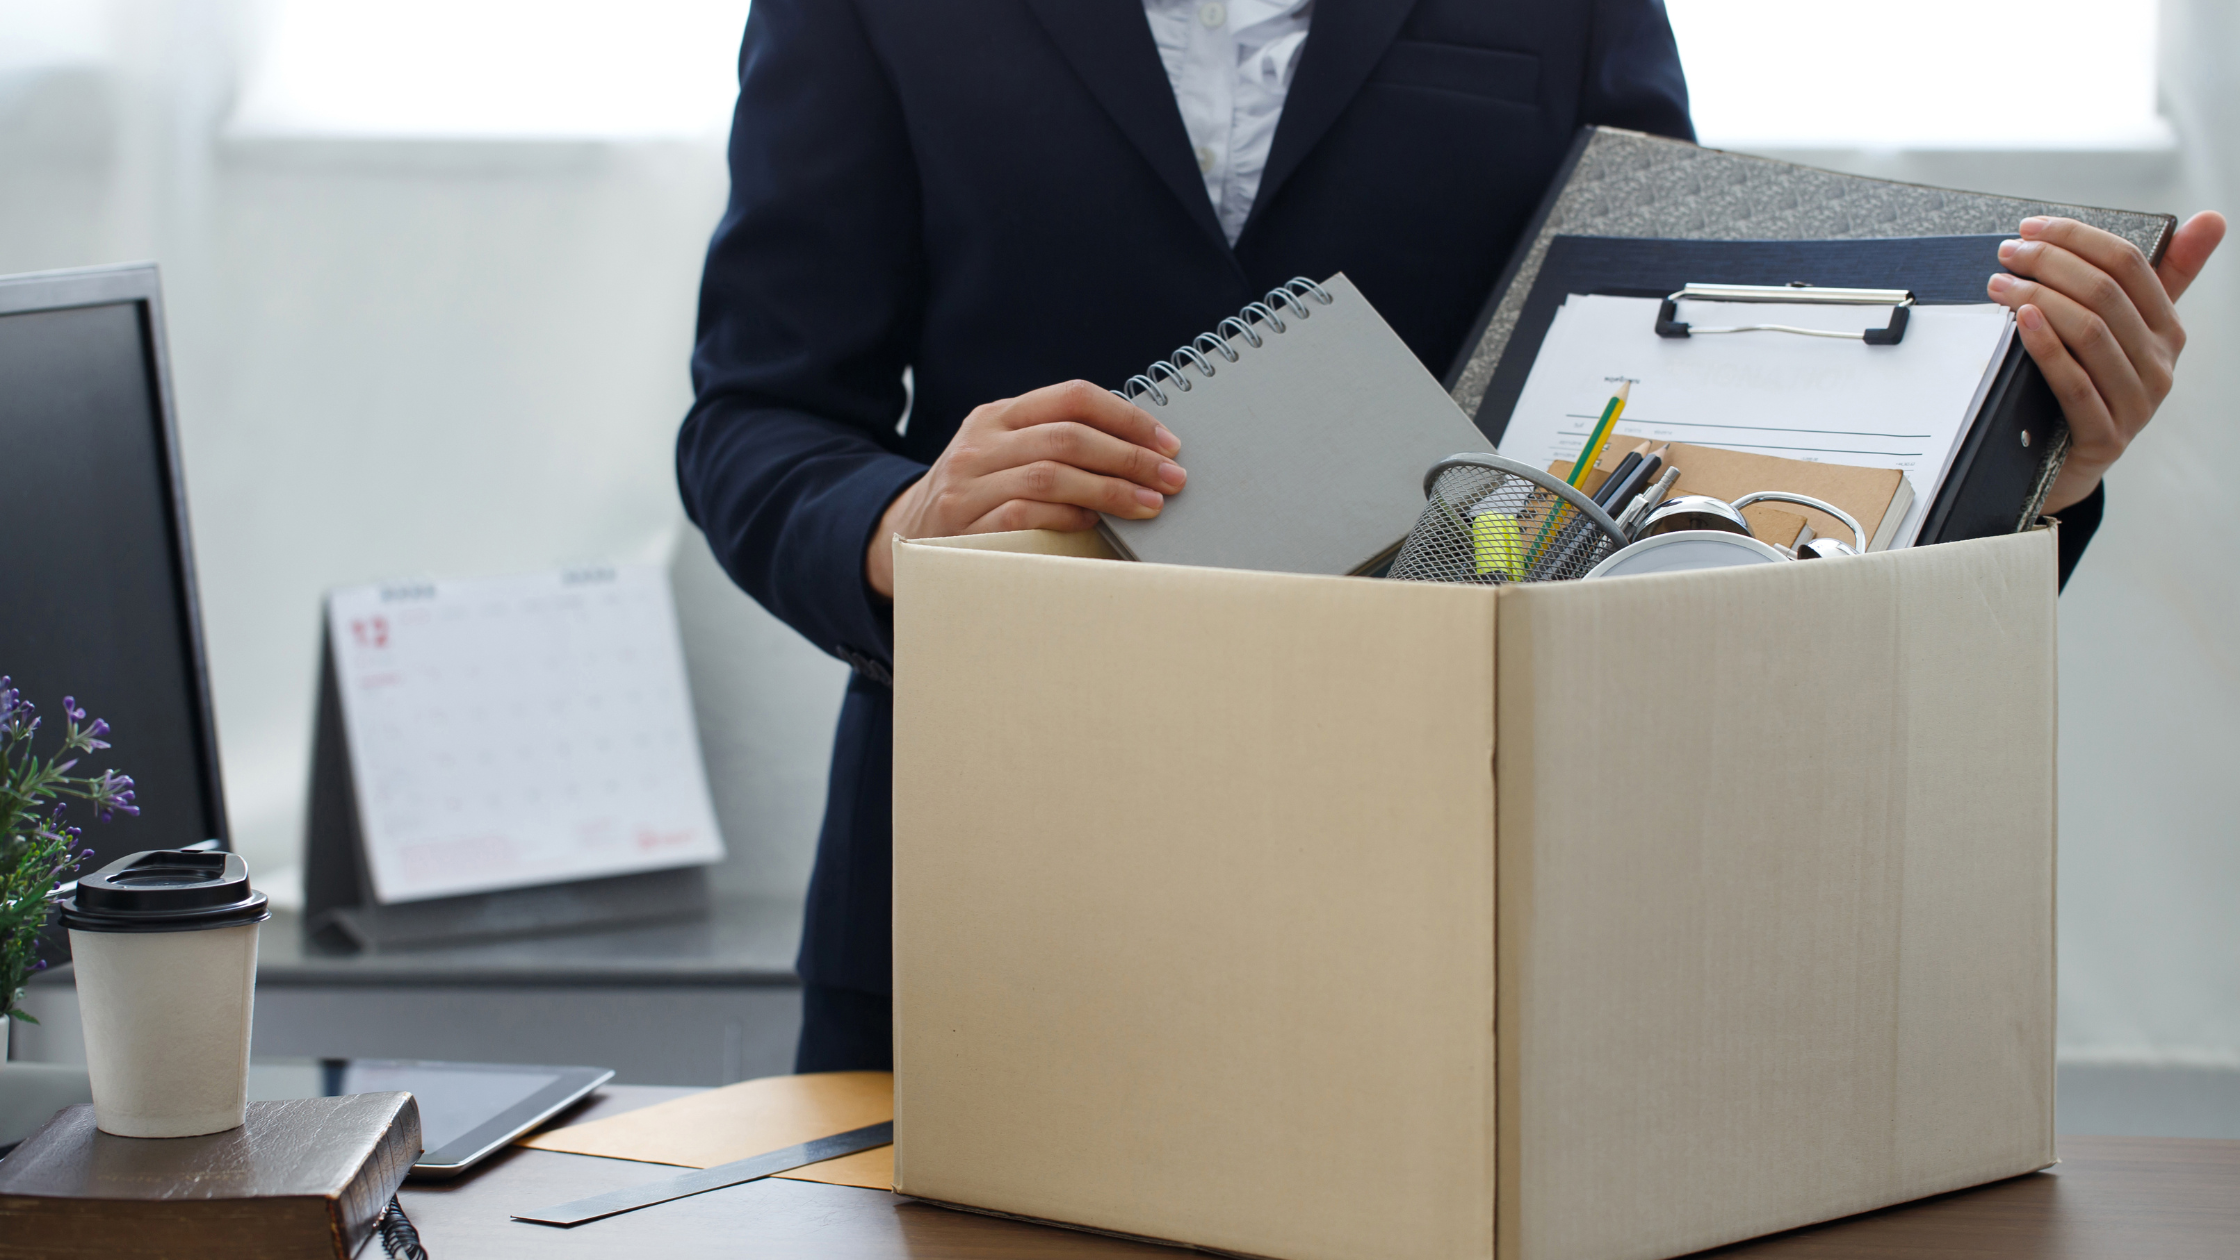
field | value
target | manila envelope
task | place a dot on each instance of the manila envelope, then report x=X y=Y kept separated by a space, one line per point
x=747 y=1119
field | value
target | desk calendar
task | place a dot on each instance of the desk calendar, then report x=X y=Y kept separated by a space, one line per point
x=514 y=731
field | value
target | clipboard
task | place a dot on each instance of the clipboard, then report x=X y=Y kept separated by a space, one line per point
x=1627 y=214
x=2000 y=472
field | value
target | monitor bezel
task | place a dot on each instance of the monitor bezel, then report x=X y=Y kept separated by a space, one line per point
x=140 y=285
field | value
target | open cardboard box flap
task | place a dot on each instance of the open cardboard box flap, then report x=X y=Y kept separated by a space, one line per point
x=1315 y=917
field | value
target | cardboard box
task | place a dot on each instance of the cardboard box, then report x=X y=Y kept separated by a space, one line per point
x=1313 y=917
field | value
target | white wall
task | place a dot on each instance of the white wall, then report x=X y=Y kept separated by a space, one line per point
x=427 y=358
x=2150 y=908
x=405 y=359
x=2150 y=661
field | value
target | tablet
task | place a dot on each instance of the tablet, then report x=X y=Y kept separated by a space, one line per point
x=467 y=1110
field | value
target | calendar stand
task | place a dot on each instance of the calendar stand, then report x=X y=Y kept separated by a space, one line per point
x=340 y=908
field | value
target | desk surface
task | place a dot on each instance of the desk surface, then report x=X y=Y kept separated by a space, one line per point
x=740 y=941
x=2140 y=1198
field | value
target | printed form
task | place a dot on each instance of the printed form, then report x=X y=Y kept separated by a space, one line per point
x=1776 y=393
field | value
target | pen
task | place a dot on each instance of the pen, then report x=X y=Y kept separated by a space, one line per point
x=1619 y=489
x=1618 y=475
x=1646 y=500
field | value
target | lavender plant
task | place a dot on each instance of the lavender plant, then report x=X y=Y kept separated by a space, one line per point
x=38 y=849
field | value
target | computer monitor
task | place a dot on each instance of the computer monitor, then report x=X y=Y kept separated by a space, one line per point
x=97 y=593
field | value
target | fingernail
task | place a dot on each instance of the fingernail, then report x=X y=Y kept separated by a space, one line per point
x=2001 y=283
x=1168 y=442
x=1172 y=474
x=2035 y=224
x=2007 y=250
x=1151 y=499
x=2030 y=317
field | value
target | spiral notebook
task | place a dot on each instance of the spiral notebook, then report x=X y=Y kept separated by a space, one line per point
x=1307 y=426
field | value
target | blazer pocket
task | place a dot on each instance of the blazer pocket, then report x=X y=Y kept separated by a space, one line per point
x=1486 y=72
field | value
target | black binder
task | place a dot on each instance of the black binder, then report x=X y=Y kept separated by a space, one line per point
x=1641 y=216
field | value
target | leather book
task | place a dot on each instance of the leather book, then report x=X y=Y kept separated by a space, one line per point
x=307 y=1177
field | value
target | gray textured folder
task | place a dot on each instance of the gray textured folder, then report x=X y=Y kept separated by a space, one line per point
x=1307 y=452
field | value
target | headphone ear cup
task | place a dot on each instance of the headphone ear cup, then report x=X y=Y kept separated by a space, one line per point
x=1825 y=548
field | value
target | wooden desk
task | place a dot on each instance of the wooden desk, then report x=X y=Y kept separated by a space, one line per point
x=2137 y=1198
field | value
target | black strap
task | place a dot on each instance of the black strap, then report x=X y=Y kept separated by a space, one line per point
x=398 y=1238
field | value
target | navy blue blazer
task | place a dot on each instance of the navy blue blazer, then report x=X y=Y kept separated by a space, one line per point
x=996 y=195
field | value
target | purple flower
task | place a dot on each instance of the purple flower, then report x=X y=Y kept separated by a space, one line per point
x=34 y=785
x=111 y=793
x=83 y=739
x=17 y=715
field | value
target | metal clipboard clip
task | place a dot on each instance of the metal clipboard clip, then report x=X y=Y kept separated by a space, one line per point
x=1900 y=301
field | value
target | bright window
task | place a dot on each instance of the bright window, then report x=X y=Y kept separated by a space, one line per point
x=35 y=34
x=493 y=69
x=1967 y=74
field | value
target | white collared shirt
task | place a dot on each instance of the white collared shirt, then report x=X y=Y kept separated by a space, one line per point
x=1231 y=63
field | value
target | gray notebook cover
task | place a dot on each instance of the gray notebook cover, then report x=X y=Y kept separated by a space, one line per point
x=1307 y=454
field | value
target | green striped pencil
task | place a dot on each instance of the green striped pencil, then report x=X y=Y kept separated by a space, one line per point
x=1601 y=436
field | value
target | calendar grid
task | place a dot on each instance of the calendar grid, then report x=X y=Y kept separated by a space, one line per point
x=520 y=730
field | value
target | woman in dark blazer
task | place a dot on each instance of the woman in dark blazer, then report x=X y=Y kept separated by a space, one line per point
x=939 y=211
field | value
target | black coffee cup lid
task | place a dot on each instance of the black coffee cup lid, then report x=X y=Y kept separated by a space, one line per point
x=166 y=890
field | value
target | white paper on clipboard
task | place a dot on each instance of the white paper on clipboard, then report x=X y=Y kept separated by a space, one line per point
x=513 y=731
x=1820 y=399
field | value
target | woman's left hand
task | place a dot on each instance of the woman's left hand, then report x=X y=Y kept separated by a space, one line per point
x=2103 y=327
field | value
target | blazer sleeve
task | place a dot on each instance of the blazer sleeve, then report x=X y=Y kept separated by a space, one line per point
x=808 y=316
x=2079 y=522
x=1633 y=71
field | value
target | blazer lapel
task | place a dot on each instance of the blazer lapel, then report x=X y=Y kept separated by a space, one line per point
x=1344 y=42
x=1108 y=42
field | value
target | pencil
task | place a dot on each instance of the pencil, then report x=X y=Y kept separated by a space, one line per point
x=1596 y=440
x=1601 y=435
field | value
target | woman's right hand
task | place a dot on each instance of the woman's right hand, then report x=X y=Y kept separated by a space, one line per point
x=1052 y=458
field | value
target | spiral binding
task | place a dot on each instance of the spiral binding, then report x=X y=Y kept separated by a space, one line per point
x=398 y=1238
x=1240 y=326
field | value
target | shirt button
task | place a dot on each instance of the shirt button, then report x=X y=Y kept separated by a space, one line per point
x=1213 y=13
x=1205 y=158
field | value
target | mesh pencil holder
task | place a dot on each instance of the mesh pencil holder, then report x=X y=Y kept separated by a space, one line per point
x=1489 y=519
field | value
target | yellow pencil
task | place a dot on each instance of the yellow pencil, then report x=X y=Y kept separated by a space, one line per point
x=1596 y=440
x=1601 y=435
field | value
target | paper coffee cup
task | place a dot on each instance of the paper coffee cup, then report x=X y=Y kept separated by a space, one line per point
x=164 y=948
